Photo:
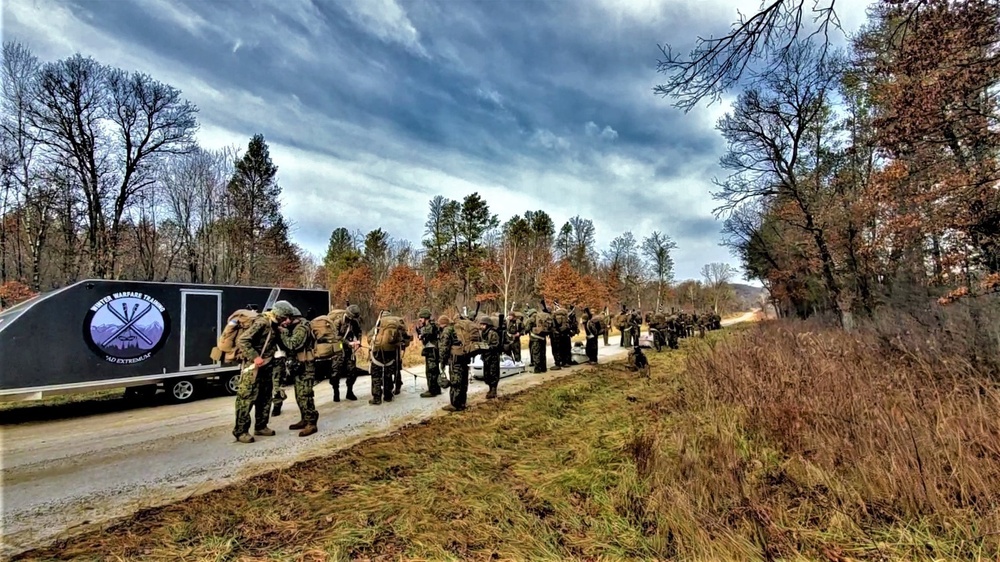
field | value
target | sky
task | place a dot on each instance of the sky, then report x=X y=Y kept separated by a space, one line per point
x=372 y=107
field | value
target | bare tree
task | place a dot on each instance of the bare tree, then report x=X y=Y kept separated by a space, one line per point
x=18 y=166
x=657 y=247
x=779 y=135
x=151 y=120
x=717 y=277
x=717 y=64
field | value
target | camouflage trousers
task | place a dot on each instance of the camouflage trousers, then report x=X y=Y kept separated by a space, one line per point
x=432 y=371
x=515 y=349
x=491 y=369
x=342 y=366
x=562 y=349
x=458 y=390
x=304 y=382
x=607 y=332
x=626 y=340
x=592 y=348
x=383 y=373
x=254 y=393
x=281 y=370
x=536 y=347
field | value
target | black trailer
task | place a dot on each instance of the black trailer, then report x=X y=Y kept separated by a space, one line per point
x=99 y=334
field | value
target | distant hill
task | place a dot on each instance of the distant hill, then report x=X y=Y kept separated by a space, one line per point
x=747 y=295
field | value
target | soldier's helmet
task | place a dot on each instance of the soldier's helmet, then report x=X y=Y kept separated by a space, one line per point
x=530 y=312
x=486 y=321
x=354 y=311
x=424 y=313
x=443 y=321
x=283 y=309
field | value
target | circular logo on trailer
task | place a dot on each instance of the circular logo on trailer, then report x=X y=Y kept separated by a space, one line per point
x=126 y=328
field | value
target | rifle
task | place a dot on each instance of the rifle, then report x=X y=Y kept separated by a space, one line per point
x=502 y=330
x=545 y=309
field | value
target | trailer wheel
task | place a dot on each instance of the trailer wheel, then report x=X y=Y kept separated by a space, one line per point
x=182 y=390
x=232 y=383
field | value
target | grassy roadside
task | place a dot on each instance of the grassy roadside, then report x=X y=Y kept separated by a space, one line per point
x=607 y=465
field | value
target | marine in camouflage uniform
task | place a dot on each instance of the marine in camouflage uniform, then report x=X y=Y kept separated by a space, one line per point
x=635 y=327
x=296 y=338
x=383 y=371
x=347 y=331
x=459 y=369
x=515 y=327
x=446 y=334
x=257 y=345
x=590 y=329
x=428 y=333
x=491 y=355
x=536 y=343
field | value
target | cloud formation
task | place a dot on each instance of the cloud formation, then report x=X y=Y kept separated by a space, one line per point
x=372 y=107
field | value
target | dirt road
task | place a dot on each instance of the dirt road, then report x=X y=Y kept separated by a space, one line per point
x=63 y=477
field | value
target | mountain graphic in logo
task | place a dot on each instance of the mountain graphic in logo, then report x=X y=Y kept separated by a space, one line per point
x=127 y=329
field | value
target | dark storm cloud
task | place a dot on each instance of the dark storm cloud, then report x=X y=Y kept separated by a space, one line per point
x=372 y=107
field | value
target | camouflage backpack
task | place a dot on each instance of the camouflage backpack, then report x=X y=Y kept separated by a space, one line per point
x=597 y=324
x=391 y=334
x=226 y=345
x=324 y=336
x=469 y=334
x=543 y=324
x=560 y=320
x=621 y=321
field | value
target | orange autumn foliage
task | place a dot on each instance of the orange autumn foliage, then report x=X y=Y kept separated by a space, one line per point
x=403 y=292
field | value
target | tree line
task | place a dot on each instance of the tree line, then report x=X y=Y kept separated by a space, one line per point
x=865 y=176
x=468 y=257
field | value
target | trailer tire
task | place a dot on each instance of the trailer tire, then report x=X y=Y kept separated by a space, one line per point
x=231 y=383
x=182 y=390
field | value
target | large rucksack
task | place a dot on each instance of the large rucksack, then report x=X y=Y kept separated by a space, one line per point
x=560 y=320
x=543 y=324
x=621 y=321
x=574 y=324
x=470 y=335
x=597 y=325
x=226 y=347
x=391 y=334
x=325 y=337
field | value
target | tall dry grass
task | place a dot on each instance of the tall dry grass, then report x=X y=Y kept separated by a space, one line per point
x=886 y=439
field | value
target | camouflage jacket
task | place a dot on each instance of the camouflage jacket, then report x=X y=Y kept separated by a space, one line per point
x=429 y=336
x=252 y=341
x=491 y=343
x=298 y=341
x=345 y=331
x=446 y=339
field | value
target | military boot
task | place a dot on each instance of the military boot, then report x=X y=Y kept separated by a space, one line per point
x=245 y=438
x=397 y=389
x=350 y=392
x=375 y=401
x=336 y=392
x=450 y=408
x=308 y=430
x=429 y=394
x=266 y=432
x=492 y=393
x=276 y=409
x=298 y=425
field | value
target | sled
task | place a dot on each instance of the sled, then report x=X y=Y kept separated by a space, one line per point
x=508 y=367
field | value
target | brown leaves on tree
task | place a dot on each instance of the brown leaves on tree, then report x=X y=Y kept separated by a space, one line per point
x=403 y=292
x=14 y=292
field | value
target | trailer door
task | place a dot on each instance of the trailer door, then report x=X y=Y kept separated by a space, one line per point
x=201 y=324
